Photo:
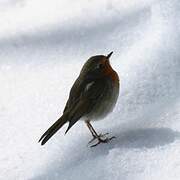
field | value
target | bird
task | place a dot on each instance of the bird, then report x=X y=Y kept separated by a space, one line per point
x=92 y=97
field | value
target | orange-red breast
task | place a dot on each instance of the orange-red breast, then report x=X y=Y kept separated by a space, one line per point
x=92 y=96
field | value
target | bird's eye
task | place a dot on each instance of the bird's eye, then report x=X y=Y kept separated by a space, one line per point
x=101 y=66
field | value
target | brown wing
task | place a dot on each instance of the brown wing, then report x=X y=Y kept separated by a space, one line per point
x=75 y=92
x=91 y=93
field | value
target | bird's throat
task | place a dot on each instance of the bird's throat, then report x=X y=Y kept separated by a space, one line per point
x=109 y=71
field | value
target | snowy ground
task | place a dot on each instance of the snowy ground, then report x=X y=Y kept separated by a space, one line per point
x=43 y=45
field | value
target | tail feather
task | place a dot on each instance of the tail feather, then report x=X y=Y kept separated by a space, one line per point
x=53 y=129
x=71 y=123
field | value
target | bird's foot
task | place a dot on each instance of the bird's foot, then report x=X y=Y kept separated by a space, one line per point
x=101 y=138
x=96 y=137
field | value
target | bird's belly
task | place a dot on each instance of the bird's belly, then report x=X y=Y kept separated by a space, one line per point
x=105 y=105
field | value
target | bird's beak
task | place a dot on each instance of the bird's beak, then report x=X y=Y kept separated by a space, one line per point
x=109 y=55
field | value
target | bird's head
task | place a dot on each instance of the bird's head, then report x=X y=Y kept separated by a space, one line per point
x=96 y=66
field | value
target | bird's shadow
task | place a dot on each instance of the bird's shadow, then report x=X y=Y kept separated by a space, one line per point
x=130 y=139
x=147 y=138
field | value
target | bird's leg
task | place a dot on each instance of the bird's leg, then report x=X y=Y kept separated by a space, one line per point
x=95 y=135
x=93 y=132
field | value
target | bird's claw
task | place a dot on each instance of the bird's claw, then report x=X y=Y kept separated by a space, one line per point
x=100 y=139
x=96 y=137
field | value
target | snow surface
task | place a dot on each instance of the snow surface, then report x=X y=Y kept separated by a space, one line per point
x=43 y=45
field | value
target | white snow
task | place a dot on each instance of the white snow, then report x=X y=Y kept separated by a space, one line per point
x=43 y=45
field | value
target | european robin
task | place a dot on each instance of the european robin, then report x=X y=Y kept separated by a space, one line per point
x=92 y=97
